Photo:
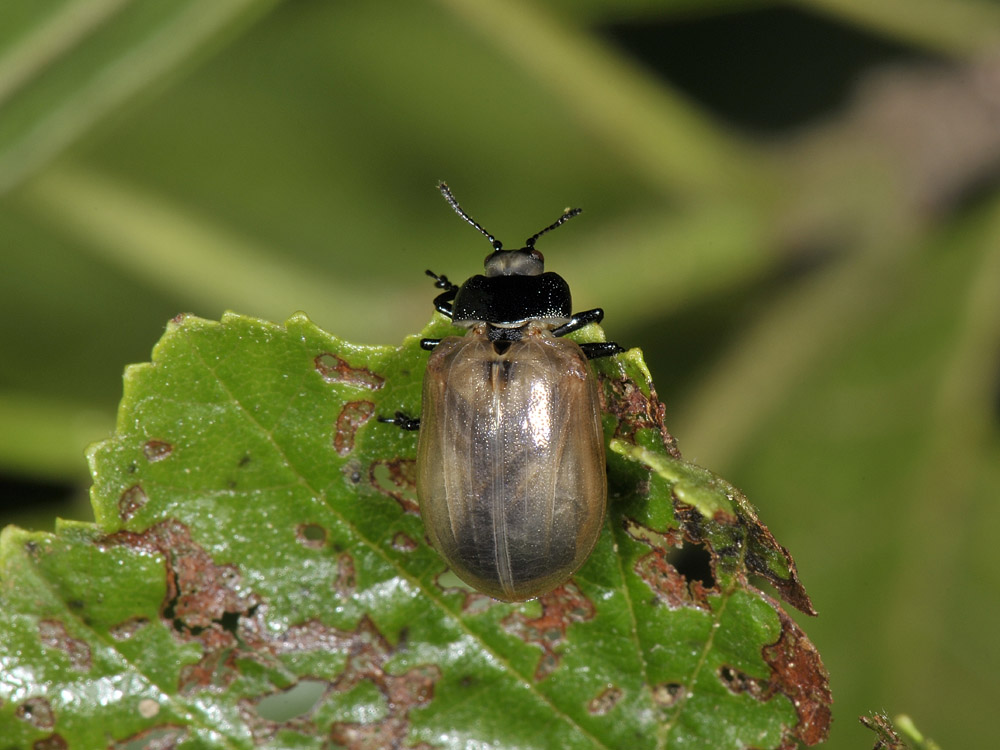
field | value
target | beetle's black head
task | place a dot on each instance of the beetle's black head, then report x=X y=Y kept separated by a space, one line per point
x=515 y=289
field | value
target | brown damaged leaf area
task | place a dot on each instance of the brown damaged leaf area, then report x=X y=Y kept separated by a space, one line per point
x=561 y=607
x=742 y=544
x=53 y=634
x=157 y=450
x=396 y=478
x=606 y=700
x=36 y=711
x=798 y=672
x=351 y=417
x=52 y=742
x=334 y=369
x=131 y=502
x=669 y=586
x=367 y=652
x=635 y=411
x=205 y=602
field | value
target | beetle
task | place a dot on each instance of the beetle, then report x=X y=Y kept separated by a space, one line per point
x=510 y=453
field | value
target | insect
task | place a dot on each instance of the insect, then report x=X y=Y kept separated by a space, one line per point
x=510 y=455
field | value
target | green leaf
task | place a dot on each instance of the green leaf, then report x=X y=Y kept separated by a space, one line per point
x=257 y=537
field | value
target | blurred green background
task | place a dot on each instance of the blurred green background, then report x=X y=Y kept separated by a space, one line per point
x=792 y=208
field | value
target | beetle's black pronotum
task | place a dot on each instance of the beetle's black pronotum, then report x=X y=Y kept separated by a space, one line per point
x=510 y=456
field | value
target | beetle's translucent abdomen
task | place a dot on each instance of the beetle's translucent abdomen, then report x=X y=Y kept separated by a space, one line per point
x=510 y=469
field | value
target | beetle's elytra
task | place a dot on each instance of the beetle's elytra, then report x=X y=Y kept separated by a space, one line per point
x=510 y=455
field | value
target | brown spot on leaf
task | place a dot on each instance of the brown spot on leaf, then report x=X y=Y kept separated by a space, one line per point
x=367 y=652
x=635 y=411
x=337 y=370
x=157 y=450
x=128 y=628
x=741 y=545
x=403 y=543
x=605 y=700
x=667 y=694
x=204 y=602
x=36 y=711
x=737 y=682
x=668 y=584
x=560 y=608
x=346 y=576
x=131 y=501
x=311 y=535
x=351 y=417
x=52 y=742
x=397 y=478
x=798 y=672
x=53 y=634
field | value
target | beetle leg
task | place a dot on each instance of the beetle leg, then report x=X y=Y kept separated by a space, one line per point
x=601 y=349
x=442 y=303
x=429 y=344
x=401 y=421
x=579 y=320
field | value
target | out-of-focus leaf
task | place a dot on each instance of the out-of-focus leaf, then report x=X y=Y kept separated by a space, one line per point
x=257 y=534
x=70 y=64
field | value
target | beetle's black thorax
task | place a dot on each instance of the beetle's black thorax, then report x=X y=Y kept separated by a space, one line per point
x=512 y=301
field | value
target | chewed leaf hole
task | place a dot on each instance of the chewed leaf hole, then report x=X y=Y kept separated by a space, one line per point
x=693 y=562
x=289 y=704
x=311 y=535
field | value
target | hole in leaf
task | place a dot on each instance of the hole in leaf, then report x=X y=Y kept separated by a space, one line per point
x=666 y=694
x=693 y=562
x=300 y=699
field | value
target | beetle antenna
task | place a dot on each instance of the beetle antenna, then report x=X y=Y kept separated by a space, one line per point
x=568 y=214
x=446 y=192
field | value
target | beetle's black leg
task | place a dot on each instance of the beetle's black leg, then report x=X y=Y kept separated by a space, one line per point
x=579 y=320
x=442 y=303
x=401 y=421
x=601 y=349
x=429 y=344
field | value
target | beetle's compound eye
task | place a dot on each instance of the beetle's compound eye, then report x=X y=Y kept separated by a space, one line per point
x=523 y=262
